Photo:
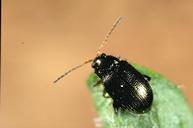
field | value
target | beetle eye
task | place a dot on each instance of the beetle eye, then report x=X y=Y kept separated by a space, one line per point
x=98 y=62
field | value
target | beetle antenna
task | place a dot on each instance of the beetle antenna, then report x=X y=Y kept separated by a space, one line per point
x=108 y=35
x=72 y=69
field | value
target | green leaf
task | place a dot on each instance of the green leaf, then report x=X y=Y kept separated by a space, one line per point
x=169 y=110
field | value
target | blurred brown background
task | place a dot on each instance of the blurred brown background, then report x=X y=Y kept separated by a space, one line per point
x=43 y=38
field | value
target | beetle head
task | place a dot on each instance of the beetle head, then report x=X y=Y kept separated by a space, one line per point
x=104 y=64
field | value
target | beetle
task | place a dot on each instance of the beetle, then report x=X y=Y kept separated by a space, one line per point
x=128 y=88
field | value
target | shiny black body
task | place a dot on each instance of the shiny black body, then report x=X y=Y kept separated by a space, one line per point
x=129 y=89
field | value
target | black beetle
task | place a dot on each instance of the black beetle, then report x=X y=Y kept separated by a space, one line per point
x=129 y=89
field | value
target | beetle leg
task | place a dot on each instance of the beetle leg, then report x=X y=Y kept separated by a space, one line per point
x=98 y=83
x=147 y=77
x=116 y=107
x=104 y=94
